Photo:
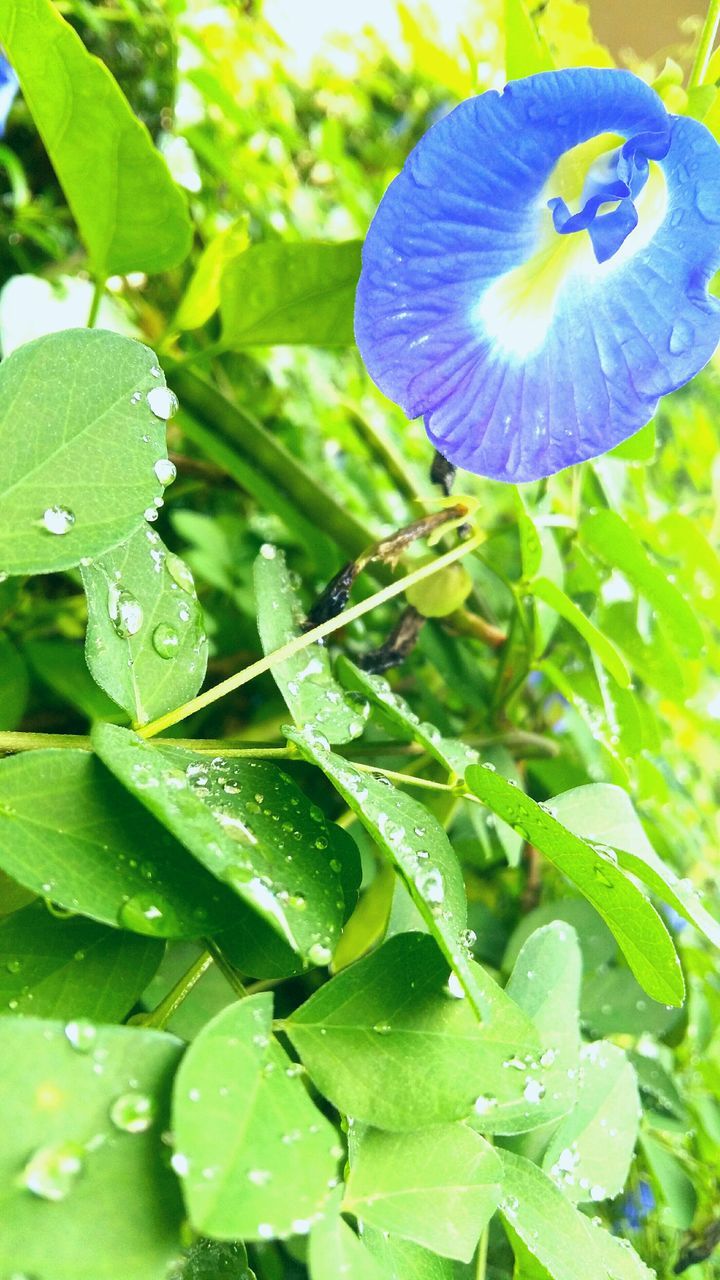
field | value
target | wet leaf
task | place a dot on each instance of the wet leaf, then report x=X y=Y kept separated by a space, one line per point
x=590 y=1152
x=390 y=1041
x=146 y=645
x=78 y=447
x=437 y=1186
x=305 y=681
x=69 y=832
x=606 y=814
x=273 y=1178
x=636 y=925
x=449 y=752
x=71 y=968
x=68 y=1170
x=250 y=826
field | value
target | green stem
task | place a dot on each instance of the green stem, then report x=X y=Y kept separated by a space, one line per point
x=482 y=1253
x=160 y=1016
x=405 y=779
x=95 y=304
x=227 y=969
x=521 y=741
x=705 y=44
x=309 y=638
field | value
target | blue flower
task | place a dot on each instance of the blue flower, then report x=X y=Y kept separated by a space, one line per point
x=8 y=88
x=537 y=275
x=637 y=1205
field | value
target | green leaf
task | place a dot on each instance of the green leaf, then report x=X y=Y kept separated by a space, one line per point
x=291 y=293
x=390 y=1041
x=531 y=547
x=255 y=1155
x=437 y=1186
x=78 y=447
x=608 y=536
x=564 y=1241
x=590 y=1152
x=146 y=645
x=525 y=51
x=605 y=814
x=334 y=1250
x=415 y=843
x=81 y=1170
x=202 y=296
x=250 y=826
x=676 y=1187
x=306 y=682
x=14 y=684
x=403 y=1260
x=69 y=832
x=55 y=968
x=545 y=984
x=449 y=752
x=600 y=644
x=61 y=666
x=129 y=212
x=636 y=925
x=653 y=659
x=614 y=1003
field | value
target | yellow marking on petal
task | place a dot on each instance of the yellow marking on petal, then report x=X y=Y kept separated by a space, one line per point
x=517 y=309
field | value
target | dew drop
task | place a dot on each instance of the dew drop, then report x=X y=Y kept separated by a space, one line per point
x=180 y=573
x=124 y=611
x=58 y=520
x=165 y=470
x=132 y=1112
x=14 y=966
x=382 y=1028
x=142 y=914
x=483 y=1104
x=319 y=953
x=163 y=402
x=81 y=1035
x=51 y=1172
x=165 y=640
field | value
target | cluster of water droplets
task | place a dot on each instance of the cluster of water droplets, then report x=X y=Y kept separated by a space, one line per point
x=271 y=845
x=52 y=1171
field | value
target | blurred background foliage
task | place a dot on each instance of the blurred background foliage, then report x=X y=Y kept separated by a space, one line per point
x=285 y=121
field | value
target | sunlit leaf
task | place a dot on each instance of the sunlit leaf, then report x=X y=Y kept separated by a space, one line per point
x=291 y=293
x=129 y=212
x=635 y=923
x=79 y=444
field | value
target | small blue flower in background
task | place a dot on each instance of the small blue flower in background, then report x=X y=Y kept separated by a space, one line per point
x=537 y=275
x=637 y=1205
x=9 y=85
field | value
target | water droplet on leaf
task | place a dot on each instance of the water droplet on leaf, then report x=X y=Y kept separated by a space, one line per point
x=163 y=402
x=58 y=520
x=132 y=1112
x=165 y=640
x=51 y=1171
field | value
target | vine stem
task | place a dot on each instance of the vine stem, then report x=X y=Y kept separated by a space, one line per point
x=482 y=1252
x=705 y=45
x=309 y=637
x=160 y=1016
x=95 y=304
